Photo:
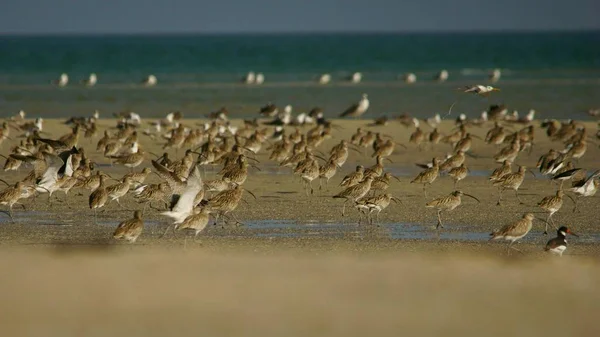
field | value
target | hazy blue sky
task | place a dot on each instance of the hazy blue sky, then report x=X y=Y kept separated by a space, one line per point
x=147 y=16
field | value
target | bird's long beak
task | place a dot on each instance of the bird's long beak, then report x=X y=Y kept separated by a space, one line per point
x=569 y=231
x=532 y=173
x=354 y=149
x=388 y=159
x=252 y=194
x=255 y=160
x=398 y=179
x=470 y=196
x=256 y=167
x=323 y=159
x=397 y=200
x=495 y=89
x=570 y=197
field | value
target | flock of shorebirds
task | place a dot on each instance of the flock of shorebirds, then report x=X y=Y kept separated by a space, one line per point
x=253 y=78
x=61 y=164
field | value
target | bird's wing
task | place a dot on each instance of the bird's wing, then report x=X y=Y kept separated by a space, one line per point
x=350 y=110
x=186 y=199
x=566 y=174
x=471 y=89
x=50 y=176
x=174 y=181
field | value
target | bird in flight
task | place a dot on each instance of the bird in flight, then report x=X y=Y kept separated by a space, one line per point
x=480 y=89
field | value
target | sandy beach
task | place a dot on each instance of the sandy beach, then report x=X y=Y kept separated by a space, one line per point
x=296 y=266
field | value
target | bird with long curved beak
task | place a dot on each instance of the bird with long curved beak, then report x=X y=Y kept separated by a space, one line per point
x=447 y=203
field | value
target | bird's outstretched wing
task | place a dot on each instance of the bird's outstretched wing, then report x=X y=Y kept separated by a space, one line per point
x=185 y=203
x=175 y=182
x=566 y=174
x=50 y=176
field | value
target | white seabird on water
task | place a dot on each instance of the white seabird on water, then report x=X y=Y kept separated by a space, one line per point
x=91 y=80
x=356 y=77
x=260 y=78
x=250 y=78
x=324 y=79
x=409 y=78
x=442 y=76
x=495 y=75
x=62 y=81
x=357 y=109
x=150 y=81
x=480 y=89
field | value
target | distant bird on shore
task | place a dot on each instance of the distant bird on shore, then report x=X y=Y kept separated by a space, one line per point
x=150 y=81
x=357 y=109
x=324 y=79
x=495 y=75
x=409 y=78
x=558 y=245
x=250 y=78
x=260 y=78
x=480 y=89
x=356 y=78
x=91 y=80
x=62 y=81
x=442 y=76
x=269 y=110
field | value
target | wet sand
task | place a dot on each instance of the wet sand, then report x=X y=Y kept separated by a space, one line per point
x=297 y=267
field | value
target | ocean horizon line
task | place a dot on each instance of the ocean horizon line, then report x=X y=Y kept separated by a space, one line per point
x=305 y=33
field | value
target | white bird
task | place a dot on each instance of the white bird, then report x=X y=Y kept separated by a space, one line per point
x=260 y=78
x=434 y=121
x=91 y=80
x=150 y=81
x=133 y=119
x=62 y=81
x=358 y=109
x=184 y=203
x=442 y=76
x=495 y=75
x=480 y=89
x=409 y=78
x=250 y=78
x=356 y=77
x=48 y=182
x=324 y=79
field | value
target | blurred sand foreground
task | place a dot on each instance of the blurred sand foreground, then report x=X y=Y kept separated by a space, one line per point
x=167 y=292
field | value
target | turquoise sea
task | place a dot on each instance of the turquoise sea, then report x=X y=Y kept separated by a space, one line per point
x=558 y=74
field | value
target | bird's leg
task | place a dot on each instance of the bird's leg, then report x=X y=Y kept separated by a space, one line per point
x=515 y=248
x=10 y=213
x=425 y=190
x=312 y=191
x=166 y=230
x=455 y=183
x=518 y=199
x=546 y=228
x=344 y=208
x=237 y=222
x=377 y=216
x=499 y=197
x=95 y=216
x=439 y=216
x=561 y=185
x=552 y=221
x=576 y=201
